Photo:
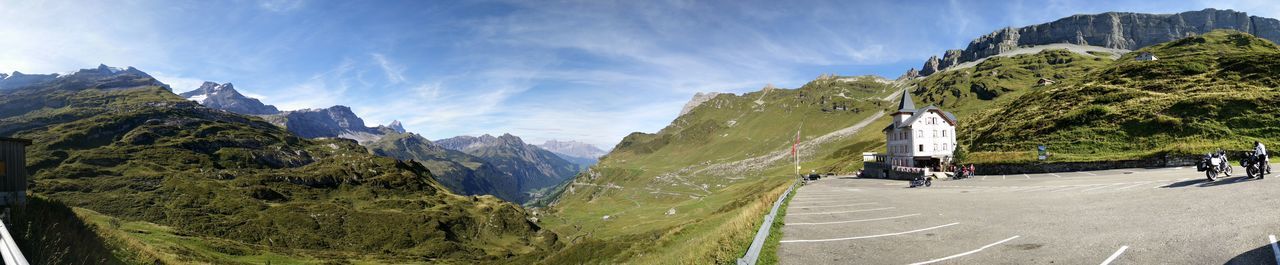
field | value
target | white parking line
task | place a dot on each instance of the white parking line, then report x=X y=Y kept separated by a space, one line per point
x=1055 y=175
x=857 y=221
x=966 y=253
x=1114 y=256
x=1002 y=177
x=1025 y=175
x=828 y=206
x=1274 y=249
x=865 y=237
x=984 y=177
x=1087 y=172
x=853 y=211
x=1038 y=188
x=1104 y=186
x=1072 y=187
x=1134 y=185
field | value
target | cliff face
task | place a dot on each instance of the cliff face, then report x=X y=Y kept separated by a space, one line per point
x=1117 y=30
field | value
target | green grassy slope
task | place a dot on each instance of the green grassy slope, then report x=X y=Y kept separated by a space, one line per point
x=715 y=169
x=1205 y=92
x=130 y=150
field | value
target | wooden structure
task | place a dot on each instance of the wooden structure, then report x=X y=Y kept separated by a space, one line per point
x=13 y=171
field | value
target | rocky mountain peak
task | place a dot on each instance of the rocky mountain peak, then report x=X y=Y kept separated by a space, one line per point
x=697 y=100
x=396 y=126
x=225 y=97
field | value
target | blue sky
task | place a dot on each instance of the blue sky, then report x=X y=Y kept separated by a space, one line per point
x=592 y=71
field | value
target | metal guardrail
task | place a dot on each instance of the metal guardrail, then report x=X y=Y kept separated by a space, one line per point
x=753 y=252
x=9 y=248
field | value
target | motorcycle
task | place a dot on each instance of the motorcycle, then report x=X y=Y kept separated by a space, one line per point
x=1254 y=165
x=921 y=181
x=1214 y=164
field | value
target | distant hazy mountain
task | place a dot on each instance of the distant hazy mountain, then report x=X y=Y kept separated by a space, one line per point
x=533 y=167
x=225 y=97
x=462 y=173
x=580 y=153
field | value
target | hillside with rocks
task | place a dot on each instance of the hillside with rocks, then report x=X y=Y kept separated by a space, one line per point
x=171 y=181
x=1214 y=90
x=1116 y=30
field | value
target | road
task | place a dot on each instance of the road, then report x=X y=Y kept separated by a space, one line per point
x=1129 y=216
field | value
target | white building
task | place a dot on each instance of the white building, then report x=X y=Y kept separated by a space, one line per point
x=924 y=137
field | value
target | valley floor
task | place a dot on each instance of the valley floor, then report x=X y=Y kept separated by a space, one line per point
x=1128 y=216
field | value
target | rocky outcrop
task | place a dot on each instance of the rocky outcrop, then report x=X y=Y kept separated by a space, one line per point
x=930 y=66
x=396 y=126
x=698 y=99
x=1116 y=30
x=911 y=73
x=336 y=121
x=225 y=97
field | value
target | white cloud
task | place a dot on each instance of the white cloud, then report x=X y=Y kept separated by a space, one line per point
x=179 y=83
x=31 y=42
x=320 y=91
x=395 y=72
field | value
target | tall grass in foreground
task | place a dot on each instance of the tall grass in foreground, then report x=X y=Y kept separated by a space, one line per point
x=769 y=254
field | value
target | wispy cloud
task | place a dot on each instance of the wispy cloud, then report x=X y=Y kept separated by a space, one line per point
x=394 y=72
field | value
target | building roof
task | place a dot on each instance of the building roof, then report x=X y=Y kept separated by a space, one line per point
x=916 y=114
x=23 y=141
x=906 y=104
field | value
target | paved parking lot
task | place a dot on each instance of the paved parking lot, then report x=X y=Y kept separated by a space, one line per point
x=1131 y=216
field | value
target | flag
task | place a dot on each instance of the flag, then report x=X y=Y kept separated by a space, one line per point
x=796 y=145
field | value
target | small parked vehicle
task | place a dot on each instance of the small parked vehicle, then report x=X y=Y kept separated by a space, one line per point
x=921 y=181
x=1214 y=164
x=1254 y=165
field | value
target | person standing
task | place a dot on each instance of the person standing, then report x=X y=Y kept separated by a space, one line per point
x=1260 y=150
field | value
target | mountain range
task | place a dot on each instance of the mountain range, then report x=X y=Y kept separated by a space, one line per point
x=142 y=164
x=196 y=184
x=504 y=166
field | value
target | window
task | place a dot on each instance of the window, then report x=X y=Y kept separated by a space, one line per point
x=922 y=148
x=919 y=133
x=935 y=147
x=2 y=168
x=944 y=133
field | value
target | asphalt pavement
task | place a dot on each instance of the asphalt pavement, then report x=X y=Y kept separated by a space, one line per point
x=1126 y=216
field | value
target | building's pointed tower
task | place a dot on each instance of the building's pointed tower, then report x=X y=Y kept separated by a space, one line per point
x=905 y=109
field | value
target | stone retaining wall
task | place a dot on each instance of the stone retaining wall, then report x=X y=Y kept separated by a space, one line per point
x=1008 y=169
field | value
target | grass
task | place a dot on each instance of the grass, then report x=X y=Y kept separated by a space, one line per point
x=1206 y=92
x=717 y=208
x=769 y=254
